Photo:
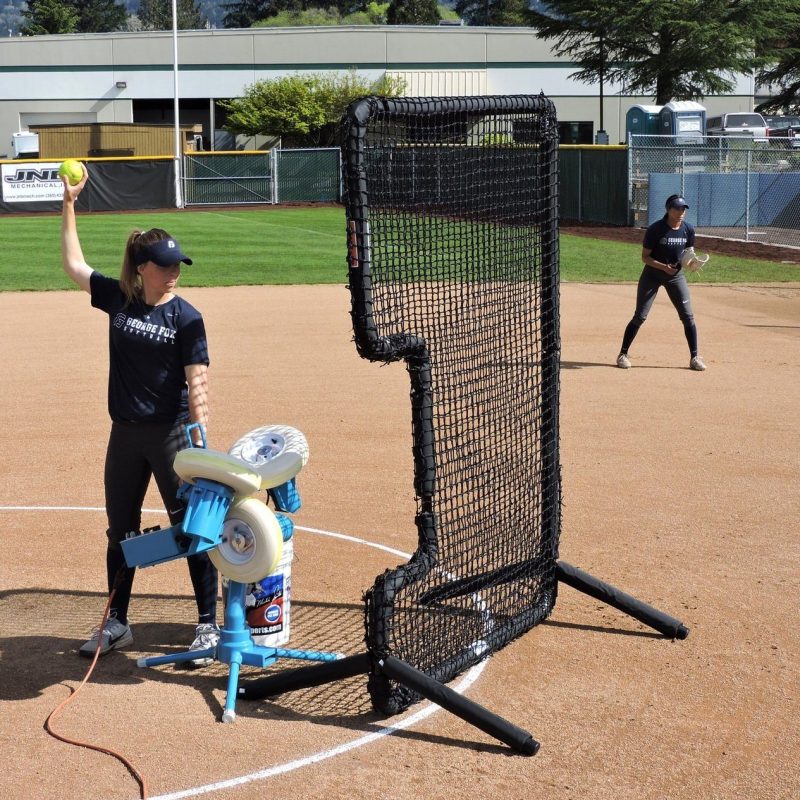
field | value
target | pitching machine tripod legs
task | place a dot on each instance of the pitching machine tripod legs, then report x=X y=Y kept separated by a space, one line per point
x=236 y=647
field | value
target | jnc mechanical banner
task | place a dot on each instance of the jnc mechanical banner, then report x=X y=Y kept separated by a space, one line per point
x=36 y=182
x=114 y=185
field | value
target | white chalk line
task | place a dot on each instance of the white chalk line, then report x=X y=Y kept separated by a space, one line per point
x=272 y=224
x=281 y=769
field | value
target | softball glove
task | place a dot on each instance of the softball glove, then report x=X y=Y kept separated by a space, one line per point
x=691 y=261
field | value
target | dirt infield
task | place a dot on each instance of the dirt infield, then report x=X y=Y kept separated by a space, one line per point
x=680 y=488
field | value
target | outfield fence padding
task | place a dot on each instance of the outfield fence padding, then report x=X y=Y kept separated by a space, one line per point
x=114 y=185
x=593 y=184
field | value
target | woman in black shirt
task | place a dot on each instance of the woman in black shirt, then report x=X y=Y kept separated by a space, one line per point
x=664 y=241
x=158 y=382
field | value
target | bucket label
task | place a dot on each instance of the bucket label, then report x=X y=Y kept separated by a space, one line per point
x=265 y=606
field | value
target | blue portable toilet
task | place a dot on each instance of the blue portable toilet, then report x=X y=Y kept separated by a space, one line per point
x=683 y=119
x=642 y=120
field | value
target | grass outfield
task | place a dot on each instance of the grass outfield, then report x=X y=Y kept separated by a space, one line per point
x=286 y=246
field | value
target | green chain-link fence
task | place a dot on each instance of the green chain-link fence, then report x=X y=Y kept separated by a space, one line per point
x=736 y=187
x=219 y=178
x=276 y=176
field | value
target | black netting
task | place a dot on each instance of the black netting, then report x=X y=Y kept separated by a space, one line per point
x=452 y=226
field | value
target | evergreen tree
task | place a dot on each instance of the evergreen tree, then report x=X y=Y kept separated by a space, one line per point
x=509 y=13
x=781 y=72
x=99 y=16
x=244 y=13
x=678 y=50
x=493 y=12
x=48 y=16
x=413 y=12
x=156 y=15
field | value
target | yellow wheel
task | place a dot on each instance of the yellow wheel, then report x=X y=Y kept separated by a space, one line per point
x=251 y=544
x=197 y=462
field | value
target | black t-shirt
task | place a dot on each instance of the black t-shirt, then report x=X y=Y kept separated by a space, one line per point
x=149 y=346
x=666 y=244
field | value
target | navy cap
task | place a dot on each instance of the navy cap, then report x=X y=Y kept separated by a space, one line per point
x=676 y=201
x=164 y=252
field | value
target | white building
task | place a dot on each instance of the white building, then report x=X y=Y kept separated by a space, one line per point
x=128 y=77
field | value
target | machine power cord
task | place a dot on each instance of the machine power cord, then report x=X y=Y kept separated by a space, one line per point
x=48 y=724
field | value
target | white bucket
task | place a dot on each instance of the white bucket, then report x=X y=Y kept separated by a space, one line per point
x=269 y=603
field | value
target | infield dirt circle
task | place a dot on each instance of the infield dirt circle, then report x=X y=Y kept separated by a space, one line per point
x=680 y=488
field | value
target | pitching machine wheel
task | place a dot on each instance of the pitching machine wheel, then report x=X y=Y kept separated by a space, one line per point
x=251 y=544
x=197 y=462
x=276 y=452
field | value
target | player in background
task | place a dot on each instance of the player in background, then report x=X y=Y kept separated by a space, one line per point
x=158 y=382
x=664 y=241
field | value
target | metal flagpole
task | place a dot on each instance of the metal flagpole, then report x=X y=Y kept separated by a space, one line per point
x=178 y=148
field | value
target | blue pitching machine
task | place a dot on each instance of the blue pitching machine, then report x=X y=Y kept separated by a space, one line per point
x=244 y=538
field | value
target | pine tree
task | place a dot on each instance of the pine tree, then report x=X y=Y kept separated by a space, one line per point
x=413 y=12
x=244 y=13
x=679 y=50
x=781 y=70
x=99 y=16
x=48 y=16
x=509 y=13
x=190 y=17
x=156 y=15
x=493 y=12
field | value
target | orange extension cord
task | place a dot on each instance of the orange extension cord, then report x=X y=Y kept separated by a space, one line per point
x=48 y=724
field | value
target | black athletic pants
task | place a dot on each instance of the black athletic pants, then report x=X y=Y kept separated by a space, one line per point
x=650 y=281
x=137 y=451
